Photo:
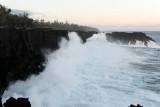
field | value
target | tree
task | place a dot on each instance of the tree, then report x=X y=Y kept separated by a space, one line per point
x=25 y=18
x=4 y=14
x=22 y=20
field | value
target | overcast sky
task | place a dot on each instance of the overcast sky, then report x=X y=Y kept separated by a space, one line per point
x=116 y=14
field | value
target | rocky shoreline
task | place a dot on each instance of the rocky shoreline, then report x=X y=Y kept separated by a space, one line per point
x=24 y=102
x=22 y=50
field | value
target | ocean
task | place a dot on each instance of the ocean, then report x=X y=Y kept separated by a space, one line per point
x=95 y=74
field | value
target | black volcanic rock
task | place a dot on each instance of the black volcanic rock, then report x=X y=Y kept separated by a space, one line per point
x=21 y=51
x=85 y=35
x=18 y=59
x=126 y=38
x=1 y=102
x=46 y=39
x=52 y=38
x=20 y=102
x=135 y=106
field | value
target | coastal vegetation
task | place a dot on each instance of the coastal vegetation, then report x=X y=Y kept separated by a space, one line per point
x=7 y=19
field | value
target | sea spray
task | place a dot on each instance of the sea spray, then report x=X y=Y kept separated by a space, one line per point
x=150 y=44
x=94 y=74
x=98 y=37
x=57 y=80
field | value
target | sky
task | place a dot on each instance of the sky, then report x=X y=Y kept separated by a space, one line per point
x=104 y=14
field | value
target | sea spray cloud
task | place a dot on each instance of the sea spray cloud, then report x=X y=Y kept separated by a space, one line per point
x=51 y=85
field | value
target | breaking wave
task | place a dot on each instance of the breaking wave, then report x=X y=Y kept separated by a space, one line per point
x=150 y=44
x=94 y=74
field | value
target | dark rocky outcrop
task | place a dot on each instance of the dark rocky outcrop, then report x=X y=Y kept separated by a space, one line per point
x=1 y=102
x=85 y=35
x=126 y=38
x=17 y=58
x=135 y=106
x=21 y=51
x=20 y=102
x=24 y=102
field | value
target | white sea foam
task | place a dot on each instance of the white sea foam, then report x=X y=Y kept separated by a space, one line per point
x=94 y=74
x=150 y=44
x=153 y=44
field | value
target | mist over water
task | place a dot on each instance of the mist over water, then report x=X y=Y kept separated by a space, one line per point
x=94 y=74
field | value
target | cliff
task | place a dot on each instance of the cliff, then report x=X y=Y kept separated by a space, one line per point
x=21 y=51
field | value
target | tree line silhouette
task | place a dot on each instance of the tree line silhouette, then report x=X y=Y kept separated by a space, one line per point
x=23 y=21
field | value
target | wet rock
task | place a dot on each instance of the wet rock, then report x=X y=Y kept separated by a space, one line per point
x=135 y=106
x=128 y=38
x=1 y=102
x=85 y=35
x=20 y=102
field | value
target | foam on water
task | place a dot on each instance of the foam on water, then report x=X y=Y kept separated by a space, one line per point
x=151 y=44
x=94 y=74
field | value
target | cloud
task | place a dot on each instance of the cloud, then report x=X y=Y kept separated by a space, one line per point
x=16 y=11
x=32 y=14
x=128 y=27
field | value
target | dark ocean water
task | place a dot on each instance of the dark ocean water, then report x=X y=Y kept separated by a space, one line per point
x=95 y=74
x=154 y=34
x=150 y=65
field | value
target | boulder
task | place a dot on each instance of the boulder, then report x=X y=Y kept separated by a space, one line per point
x=135 y=106
x=20 y=102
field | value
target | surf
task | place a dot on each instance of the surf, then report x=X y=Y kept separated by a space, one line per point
x=94 y=74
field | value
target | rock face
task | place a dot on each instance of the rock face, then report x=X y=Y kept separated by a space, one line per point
x=1 y=102
x=21 y=55
x=20 y=102
x=136 y=106
x=21 y=51
x=128 y=38
x=85 y=35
